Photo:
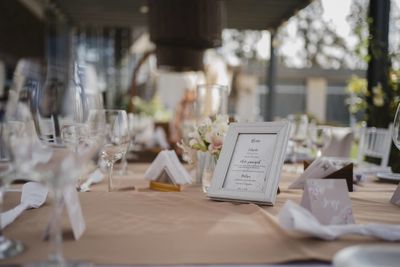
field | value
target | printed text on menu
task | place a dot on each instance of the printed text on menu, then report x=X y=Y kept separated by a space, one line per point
x=250 y=163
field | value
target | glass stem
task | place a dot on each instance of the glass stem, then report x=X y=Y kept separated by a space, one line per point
x=56 y=239
x=124 y=165
x=110 y=171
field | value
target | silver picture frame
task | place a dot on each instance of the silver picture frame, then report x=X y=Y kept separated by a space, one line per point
x=250 y=163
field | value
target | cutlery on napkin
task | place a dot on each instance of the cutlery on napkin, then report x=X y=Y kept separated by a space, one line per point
x=33 y=196
x=296 y=218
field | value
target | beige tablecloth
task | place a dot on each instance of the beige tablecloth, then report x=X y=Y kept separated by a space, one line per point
x=147 y=227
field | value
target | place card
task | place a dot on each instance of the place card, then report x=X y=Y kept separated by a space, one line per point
x=325 y=167
x=75 y=215
x=166 y=173
x=74 y=211
x=328 y=200
x=346 y=172
x=250 y=163
x=396 y=196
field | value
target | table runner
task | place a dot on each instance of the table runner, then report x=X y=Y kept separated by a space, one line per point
x=147 y=227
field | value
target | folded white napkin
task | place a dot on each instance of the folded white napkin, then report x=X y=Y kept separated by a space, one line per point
x=296 y=218
x=168 y=161
x=33 y=196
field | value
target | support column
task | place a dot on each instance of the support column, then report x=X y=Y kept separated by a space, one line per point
x=271 y=80
x=378 y=66
x=316 y=98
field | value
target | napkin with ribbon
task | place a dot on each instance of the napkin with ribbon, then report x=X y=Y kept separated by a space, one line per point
x=293 y=217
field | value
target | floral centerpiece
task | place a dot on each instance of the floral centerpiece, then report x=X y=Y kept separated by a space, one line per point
x=207 y=137
x=203 y=147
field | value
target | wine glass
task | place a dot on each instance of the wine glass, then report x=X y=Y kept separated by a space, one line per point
x=56 y=104
x=298 y=133
x=10 y=131
x=113 y=125
x=131 y=130
x=73 y=135
x=56 y=165
x=320 y=137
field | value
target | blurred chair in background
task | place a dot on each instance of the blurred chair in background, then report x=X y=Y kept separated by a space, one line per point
x=376 y=143
x=340 y=144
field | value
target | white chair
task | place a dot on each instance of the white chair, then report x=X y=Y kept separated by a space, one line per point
x=376 y=143
x=340 y=143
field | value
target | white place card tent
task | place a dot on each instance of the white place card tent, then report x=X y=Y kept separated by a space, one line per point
x=396 y=196
x=166 y=173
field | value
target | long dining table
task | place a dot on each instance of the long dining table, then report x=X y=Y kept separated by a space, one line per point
x=135 y=225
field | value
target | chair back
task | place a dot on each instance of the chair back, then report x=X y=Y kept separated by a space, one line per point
x=340 y=143
x=375 y=142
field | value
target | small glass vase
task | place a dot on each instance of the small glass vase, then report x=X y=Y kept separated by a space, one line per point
x=200 y=163
x=210 y=162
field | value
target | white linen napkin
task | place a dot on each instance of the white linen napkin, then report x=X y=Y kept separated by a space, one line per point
x=168 y=160
x=33 y=196
x=293 y=217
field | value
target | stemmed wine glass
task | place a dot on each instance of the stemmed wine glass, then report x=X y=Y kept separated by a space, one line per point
x=113 y=125
x=73 y=135
x=54 y=105
x=9 y=131
x=298 y=133
x=58 y=171
x=131 y=130
x=320 y=137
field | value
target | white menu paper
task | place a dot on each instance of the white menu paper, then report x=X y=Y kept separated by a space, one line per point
x=251 y=163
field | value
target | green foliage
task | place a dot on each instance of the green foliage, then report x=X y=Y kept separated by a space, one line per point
x=152 y=108
x=322 y=46
x=359 y=94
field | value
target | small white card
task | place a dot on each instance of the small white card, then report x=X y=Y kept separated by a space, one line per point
x=328 y=200
x=396 y=196
x=318 y=169
x=74 y=211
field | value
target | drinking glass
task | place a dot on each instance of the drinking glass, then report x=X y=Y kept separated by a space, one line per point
x=55 y=105
x=56 y=165
x=211 y=100
x=73 y=135
x=396 y=128
x=320 y=137
x=298 y=133
x=8 y=131
x=113 y=124
x=123 y=169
